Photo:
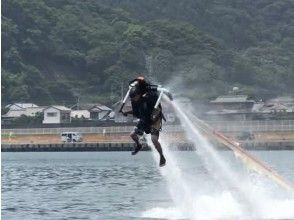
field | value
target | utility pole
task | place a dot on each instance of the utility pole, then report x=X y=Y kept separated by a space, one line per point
x=78 y=103
x=122 y=90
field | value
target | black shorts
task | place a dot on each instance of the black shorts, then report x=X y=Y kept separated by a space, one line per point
x=147 y=128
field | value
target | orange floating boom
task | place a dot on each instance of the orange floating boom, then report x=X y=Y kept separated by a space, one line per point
x=247 y=158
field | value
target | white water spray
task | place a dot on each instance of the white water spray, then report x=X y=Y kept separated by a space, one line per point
x=190 y=204
x=242 y=200
x=217 y=166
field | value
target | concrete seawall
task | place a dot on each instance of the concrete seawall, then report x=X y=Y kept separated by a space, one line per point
x=85 y=147
x=183 y=146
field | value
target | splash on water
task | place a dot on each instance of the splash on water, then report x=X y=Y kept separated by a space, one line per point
x=163 y=213
x=233 y=194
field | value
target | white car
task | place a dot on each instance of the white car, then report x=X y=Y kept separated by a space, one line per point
x=69 y=137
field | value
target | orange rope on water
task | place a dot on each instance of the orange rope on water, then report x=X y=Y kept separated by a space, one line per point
x=247 y=158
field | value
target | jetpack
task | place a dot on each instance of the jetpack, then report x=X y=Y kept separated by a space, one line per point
x=141 y=86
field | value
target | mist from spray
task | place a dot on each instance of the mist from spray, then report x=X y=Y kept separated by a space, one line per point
x=231 y=195
x=217 y=166
x=189 y=204
x=178 y=188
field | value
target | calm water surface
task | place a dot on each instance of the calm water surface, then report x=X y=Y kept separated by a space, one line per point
x=95 y=185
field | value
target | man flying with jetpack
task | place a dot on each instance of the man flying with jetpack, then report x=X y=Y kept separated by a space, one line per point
x=145 y=100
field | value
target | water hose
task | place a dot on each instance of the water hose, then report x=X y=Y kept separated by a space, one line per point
x=248 y=159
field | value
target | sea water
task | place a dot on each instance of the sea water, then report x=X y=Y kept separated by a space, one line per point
x=116 y=185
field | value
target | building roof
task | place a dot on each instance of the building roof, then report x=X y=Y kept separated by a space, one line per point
x=227 y=112
x=232 y=99
x=22 y=105
x=59 y=107
x=276 y=108
x=283 y=99
x=104 y=108
x=14 y=113
x=88 y=106
x=30 y=111
x=100 y=108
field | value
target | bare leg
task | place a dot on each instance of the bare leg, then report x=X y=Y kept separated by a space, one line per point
x=138 y=146
x=135 y=138
x=157 y=145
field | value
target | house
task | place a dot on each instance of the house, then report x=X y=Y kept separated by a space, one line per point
x=276 y=108
x=231 y=107
x=30 y=111
x=56 y=114
x=18 y=109
x=80 y=114
x=19 y=106
x=99 y=112
x=240 y=107
x=232 y=102
x=118 y=116
x=92 y=111
x=285 y=100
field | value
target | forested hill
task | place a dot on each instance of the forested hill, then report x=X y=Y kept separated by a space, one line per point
x=54 y=51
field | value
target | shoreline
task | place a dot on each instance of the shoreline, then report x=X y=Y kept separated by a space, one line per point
x=111 y=146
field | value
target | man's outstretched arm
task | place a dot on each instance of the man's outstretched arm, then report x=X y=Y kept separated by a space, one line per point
x=127 y=112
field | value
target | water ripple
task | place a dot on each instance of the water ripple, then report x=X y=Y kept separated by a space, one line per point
x=54 y=185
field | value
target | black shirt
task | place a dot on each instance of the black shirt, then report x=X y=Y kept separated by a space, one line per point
x=144 y=107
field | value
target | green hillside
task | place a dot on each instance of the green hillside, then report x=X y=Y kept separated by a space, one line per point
x=54 y=51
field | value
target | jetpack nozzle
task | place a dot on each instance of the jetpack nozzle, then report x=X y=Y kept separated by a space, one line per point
x=162 y=91
x=166 y=92
x=131 y=86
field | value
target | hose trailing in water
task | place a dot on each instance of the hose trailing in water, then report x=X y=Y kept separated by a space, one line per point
x=248 y=159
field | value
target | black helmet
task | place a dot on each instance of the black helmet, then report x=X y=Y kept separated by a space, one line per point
x=139 y=86
x=135 y=91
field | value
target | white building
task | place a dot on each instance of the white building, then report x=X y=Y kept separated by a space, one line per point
x=14 y=113
x=19 y=106
x=56 y=115
x=80 y=114
x=30 y=111
x=99 y=112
